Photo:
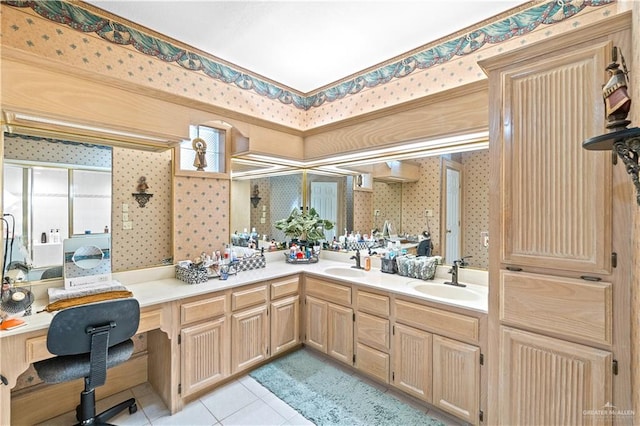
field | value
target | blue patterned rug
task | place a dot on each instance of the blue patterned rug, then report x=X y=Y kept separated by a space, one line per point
x=327 y=395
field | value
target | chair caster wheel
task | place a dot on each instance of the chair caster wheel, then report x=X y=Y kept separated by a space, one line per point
x=133 y=408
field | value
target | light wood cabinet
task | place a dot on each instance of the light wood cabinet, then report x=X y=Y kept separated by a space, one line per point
x=285 y=324
x=556 y=195
x=205 y=355
x=441 y=370
x=551 y=381
x=250 y=336
x=340 y=333
x=328 y=325
x=412 y=366
x=316 y=323
x=456 y=378
x=204 y=342
x=558 y=303
x=373 y=335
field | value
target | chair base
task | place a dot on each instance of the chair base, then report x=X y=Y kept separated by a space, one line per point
x=86 y=411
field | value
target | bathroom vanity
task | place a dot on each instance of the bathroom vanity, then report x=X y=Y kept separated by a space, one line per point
x=199 y=336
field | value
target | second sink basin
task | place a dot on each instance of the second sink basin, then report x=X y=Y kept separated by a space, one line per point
x=342 y=271
x=444 y=291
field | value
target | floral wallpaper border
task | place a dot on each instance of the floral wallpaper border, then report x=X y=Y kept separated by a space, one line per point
x=516 y=25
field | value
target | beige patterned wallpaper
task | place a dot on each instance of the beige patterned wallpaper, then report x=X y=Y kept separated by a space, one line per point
x=201 y=215
x=148 y=243
x=363 y=220
x=475 y=196
x=264 y=187
x=387 y=205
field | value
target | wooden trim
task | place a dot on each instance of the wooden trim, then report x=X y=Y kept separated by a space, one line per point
x=456 y=92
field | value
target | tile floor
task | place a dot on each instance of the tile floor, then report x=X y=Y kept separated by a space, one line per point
x=241 y=402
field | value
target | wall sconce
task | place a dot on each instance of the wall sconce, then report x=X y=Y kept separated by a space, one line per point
x=625 y=142
x=142 y=197
x=255 y=196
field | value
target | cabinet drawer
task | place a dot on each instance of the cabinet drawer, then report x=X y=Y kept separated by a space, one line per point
x=203 y=309
x=37 y=349
x=248 y=297
x=373 y=362
x=572 y=307
x=373 y=331
x=150 y=320
x=373 y=303
x=438 y=321
x=329 y=291
x=285 y=287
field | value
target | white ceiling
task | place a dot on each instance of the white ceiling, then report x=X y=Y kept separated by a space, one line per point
x=306 y=44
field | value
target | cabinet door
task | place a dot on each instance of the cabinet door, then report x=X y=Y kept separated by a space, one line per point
x=316 y=323
x=550 y=381
x=412 y=361
x=340 y=333
x=205 y=355
x=456 y=378
x=285 y=324
x=556 y=195
x=249 y=333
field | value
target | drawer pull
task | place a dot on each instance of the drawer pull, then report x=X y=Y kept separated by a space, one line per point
x=590 y=278
x=514 y=269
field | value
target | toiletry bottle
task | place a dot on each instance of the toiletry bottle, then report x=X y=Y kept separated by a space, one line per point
x=106 y=229
x=51 y=236
x=367 y=263
x=43 y=238
x=56 y=236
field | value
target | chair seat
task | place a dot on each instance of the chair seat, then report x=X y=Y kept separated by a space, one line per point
x=71 y=367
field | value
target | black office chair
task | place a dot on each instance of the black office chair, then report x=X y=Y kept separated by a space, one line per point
x=89 y=339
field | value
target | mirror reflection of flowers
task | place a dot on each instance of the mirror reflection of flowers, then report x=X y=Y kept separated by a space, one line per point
x=200 y=147
x=142 y=185
x=306 y=226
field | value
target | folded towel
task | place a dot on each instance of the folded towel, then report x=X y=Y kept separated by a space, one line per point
x=81 y=300
x=59 y=293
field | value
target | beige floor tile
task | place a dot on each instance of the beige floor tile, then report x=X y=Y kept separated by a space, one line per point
x=228 y=399
x=258 y=413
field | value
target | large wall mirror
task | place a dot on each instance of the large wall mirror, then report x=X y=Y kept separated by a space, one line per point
x=80 y=190
x=453 y=207
x=52 y=190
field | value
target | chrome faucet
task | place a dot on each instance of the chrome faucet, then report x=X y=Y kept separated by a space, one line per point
x=459 y=263
x=357 y=259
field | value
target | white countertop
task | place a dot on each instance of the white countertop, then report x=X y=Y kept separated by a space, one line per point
x=159 y=285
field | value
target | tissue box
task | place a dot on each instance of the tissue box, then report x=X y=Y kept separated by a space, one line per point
x=192 y=275
x=248 y=263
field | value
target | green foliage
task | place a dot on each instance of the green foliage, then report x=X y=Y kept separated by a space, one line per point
x=304 y=225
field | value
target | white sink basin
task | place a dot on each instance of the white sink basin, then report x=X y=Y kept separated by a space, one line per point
x=341 y=271
x=445 y=291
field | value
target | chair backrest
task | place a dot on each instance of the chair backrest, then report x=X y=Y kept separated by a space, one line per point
x=55 y=272
x=71 y=331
